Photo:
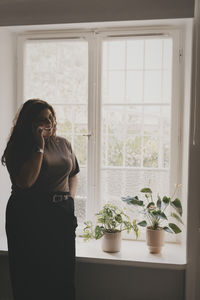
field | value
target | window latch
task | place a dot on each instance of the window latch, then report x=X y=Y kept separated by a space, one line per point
x=87 y=134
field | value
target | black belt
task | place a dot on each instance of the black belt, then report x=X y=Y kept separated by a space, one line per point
x=54 y=197
x=60 y=196
x=64 y=199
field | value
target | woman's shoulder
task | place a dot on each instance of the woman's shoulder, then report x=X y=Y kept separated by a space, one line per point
x=62 y=140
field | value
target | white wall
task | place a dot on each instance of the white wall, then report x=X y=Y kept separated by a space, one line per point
x=7 y=109
x=28 y=12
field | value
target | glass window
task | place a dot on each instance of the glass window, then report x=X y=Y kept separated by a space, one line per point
x=136 y=116
x=134 y=119
x=57 y=71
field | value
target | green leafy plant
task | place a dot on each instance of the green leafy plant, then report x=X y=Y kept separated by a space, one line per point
x=110 y=219
x=156 y=212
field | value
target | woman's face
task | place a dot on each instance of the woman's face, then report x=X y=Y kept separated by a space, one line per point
x=45 y=119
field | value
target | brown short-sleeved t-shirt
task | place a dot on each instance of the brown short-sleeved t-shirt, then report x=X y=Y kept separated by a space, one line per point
x=58 y=165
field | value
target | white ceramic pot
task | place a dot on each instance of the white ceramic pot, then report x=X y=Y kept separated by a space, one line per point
x=155 y=239
x=111 y=242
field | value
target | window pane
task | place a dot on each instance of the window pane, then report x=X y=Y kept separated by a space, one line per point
x=135 y=54
x=151 y=120
x=39 y=85
x=166 y=120
x=57 y=71
x=113 y=138
x=116 y=54
x=133 y=151
x=167 y=88
x=105 y=97
x=115 y=151
x=152 y=86
x=136 y=122
x=134 y=116
x=150 y=152
x=80 y=148
x=116 y=86
x=166 y=154
x=153 y=54
x=46 y=62
x=81 y=196
x=167 y=54
x=134 y=86
x=120 y=182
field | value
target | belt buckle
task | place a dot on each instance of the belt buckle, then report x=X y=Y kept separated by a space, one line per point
x=57 y=198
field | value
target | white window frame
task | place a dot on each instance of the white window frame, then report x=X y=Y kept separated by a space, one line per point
x=176 y=108
x=95 y=38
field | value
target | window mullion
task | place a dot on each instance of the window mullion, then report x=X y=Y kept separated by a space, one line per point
x=91 y=127
x=98 y=119
x=94 y=124
x=160 y=136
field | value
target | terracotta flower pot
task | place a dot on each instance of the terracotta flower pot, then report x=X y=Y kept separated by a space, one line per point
x=111 y=242
x=155 y=239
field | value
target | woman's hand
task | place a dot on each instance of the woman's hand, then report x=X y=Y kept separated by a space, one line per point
x=38 y=133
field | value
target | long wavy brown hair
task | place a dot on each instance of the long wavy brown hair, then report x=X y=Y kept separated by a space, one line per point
x=21 y=138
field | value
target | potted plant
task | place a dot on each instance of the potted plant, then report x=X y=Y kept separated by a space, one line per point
x=156 y=214
x=111 y=221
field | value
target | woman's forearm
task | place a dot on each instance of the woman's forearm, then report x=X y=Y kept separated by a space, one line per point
x=73 y=181
x=30 y=170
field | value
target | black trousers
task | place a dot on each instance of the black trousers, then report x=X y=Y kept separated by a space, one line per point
x=41 y=247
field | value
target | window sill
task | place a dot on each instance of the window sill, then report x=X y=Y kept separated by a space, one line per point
x=133 y=253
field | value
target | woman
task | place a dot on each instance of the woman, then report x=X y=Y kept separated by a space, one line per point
x=40 y=220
